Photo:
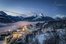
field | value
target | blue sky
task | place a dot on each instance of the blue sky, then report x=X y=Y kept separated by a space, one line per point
x=48 y=7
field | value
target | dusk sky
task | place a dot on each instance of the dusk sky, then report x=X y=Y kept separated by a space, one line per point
x=47 y=7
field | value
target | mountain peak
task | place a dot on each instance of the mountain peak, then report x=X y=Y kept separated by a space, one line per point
x=2 y=13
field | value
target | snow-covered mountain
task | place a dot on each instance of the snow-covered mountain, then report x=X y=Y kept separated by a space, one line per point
x=4 y=18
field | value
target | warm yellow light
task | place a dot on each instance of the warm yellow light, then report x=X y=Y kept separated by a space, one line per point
x=24 y=28
x=17 y=35
x=20 y=33
x=5 y=41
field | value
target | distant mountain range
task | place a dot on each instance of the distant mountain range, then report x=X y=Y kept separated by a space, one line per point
x=4 y=18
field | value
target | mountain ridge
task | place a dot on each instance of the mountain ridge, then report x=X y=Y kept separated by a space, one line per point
x=5 y=18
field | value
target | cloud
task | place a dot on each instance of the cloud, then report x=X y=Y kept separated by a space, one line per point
x=59 y=15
